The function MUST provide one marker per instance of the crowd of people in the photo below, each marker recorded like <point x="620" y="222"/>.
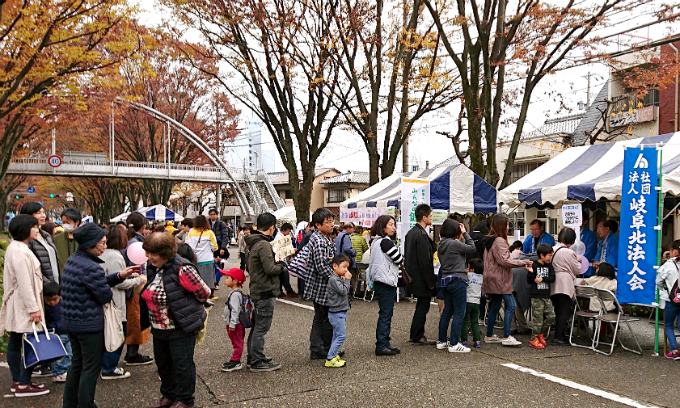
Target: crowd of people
<point x="64" y="279"/>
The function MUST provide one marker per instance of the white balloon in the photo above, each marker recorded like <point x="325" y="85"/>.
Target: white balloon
<point x="579" y="248"/>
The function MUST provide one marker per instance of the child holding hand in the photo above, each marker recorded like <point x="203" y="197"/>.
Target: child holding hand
<point x="234" y="279"/>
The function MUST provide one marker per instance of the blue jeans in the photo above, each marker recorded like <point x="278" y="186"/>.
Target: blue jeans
<point x="111" y="358"/>
<point x="670" y="315"/>
<point x="493" y="311"/>
<point x="20" y="374"/>
<point x="455" y="301"/>
<point x="338" y="320"/>
<point x="386" y="294"/>
<point x="61" y="366"/>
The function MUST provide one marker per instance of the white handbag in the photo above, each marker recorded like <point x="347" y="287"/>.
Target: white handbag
<point x="113" y="327"/>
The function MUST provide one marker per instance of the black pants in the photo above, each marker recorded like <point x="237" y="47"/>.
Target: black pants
<point x="562" y="305"/>
<point x="86" y="364"/>
<point x="20" y="374"/>
<point x="284" y="283"/>
<point x="322" y="332"/>
<point x="243" y="260"/>
<point x="419" y="318"/>
<point x="175" y="362"/>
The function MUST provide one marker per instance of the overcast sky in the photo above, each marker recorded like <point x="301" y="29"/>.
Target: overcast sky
<point x="346" y="151"/>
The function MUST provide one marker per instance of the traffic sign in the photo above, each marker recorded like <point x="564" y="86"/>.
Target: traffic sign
<point x="54" y="161"/>
<point x="31" y="190"/>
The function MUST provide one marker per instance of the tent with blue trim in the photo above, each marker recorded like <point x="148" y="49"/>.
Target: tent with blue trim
<point x="160" y="212"/>
<point x="456" y="189"/>
<point x="590" y="173"/>
<point x="154" y="213"/>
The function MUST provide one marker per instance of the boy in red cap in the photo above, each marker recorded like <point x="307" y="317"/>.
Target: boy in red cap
<point x="234" y="279"/>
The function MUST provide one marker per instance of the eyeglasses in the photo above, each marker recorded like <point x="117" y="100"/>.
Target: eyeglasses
<point x="328" y="222"/>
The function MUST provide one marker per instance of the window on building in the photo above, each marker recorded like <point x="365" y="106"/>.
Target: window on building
<point x="516" y="222"/>
<point x="197" y="206"/>
<point x="522" y="169"/>
<point x="336" y="196"/>
<point x="552" y="228"/>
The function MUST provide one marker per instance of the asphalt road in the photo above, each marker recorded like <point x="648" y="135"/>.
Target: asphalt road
<point x="420" y="376"/>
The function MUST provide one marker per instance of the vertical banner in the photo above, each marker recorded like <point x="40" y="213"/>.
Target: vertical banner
<point x="638" y="238"/>
<point x="413" y="192"/>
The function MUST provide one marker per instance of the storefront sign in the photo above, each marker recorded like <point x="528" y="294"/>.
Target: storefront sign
<point x="637" y="238"/>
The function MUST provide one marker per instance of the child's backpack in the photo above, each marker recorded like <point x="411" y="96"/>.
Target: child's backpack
<point x="245" y="315"/>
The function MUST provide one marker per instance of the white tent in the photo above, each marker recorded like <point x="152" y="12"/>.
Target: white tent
<point x="287" y="214"/>
<point x="153" y="213"/>
<point x="590" y="173"/>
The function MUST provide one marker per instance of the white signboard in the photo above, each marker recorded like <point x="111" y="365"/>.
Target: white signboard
<point x="572" y="217"/>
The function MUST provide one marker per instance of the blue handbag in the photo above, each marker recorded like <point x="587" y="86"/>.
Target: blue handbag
<point x="41" y="347"/>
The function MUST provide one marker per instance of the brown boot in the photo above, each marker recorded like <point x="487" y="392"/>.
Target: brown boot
<point x="163" y="403"/>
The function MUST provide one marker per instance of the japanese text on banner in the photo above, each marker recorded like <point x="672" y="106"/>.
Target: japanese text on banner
<point x="637" y="238"/>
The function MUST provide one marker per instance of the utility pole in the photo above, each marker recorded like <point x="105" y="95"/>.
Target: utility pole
<point x="404" y="156"/>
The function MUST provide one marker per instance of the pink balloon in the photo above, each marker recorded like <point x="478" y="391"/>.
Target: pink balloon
<point x="584" y="264"/>
<point x="136" y="253"/>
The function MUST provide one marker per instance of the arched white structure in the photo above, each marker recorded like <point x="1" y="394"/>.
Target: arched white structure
<point x="205" y="149"/>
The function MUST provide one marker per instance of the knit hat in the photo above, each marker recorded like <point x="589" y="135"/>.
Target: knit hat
<point x="88" y="235"/>
<point x="235" y="273"/>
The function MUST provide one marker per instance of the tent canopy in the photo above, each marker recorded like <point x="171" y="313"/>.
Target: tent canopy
<point x="287" y="214"/>
<point x="456" y="189"/>
<point x="590" y="173"/>
<point x="154" y="213"/>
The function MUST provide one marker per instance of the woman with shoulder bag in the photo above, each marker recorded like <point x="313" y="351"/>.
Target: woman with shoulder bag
<point x="202" y="240"/>
<point x="22" y="302"/>
<point x="85" y="290"/>
<point x="384" y="268"/>
<point x="452" y="256"/>
<point x="567" y="268"/>
<point x="666" y="280"/>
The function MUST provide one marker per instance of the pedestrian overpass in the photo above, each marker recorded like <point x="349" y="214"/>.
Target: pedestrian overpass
<point x="105" y="165"/>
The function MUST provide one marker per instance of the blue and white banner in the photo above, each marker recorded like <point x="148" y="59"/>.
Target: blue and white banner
<point x="637" y="238"/>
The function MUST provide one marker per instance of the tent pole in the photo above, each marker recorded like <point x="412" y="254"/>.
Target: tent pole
<point x="658" y="247"/>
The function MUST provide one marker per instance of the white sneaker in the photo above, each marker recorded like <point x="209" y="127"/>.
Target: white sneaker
<point x="493" y="339"/>
<point x="459" y="348"/>
<point x="441" y="345"/>
<point x="510" y="341"/>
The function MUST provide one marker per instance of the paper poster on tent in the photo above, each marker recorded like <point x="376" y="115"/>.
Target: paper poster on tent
<point x="344" y="215"/>
<point x="637" y="237"/>
<point x="572" y="217"/>
<point x="438" y="216"/>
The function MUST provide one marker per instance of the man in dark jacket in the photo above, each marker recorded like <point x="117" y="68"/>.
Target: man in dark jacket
<point x="220" y="230"/>
<point x="264" y="288"/>
<point x="418" y="255"/>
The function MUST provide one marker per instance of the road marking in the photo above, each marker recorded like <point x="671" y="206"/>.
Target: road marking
<point x="580" y="387"/>
<point x="288" y="302"/>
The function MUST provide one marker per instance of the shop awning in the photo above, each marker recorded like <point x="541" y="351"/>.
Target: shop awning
<point x="590" y="173"/>
<point x="456" y="189"/>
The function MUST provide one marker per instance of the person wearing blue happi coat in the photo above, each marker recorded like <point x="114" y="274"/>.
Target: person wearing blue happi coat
<point x="608" y="247"/>
<point x="590" y="241"/>
<point x="537" y="237"/>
